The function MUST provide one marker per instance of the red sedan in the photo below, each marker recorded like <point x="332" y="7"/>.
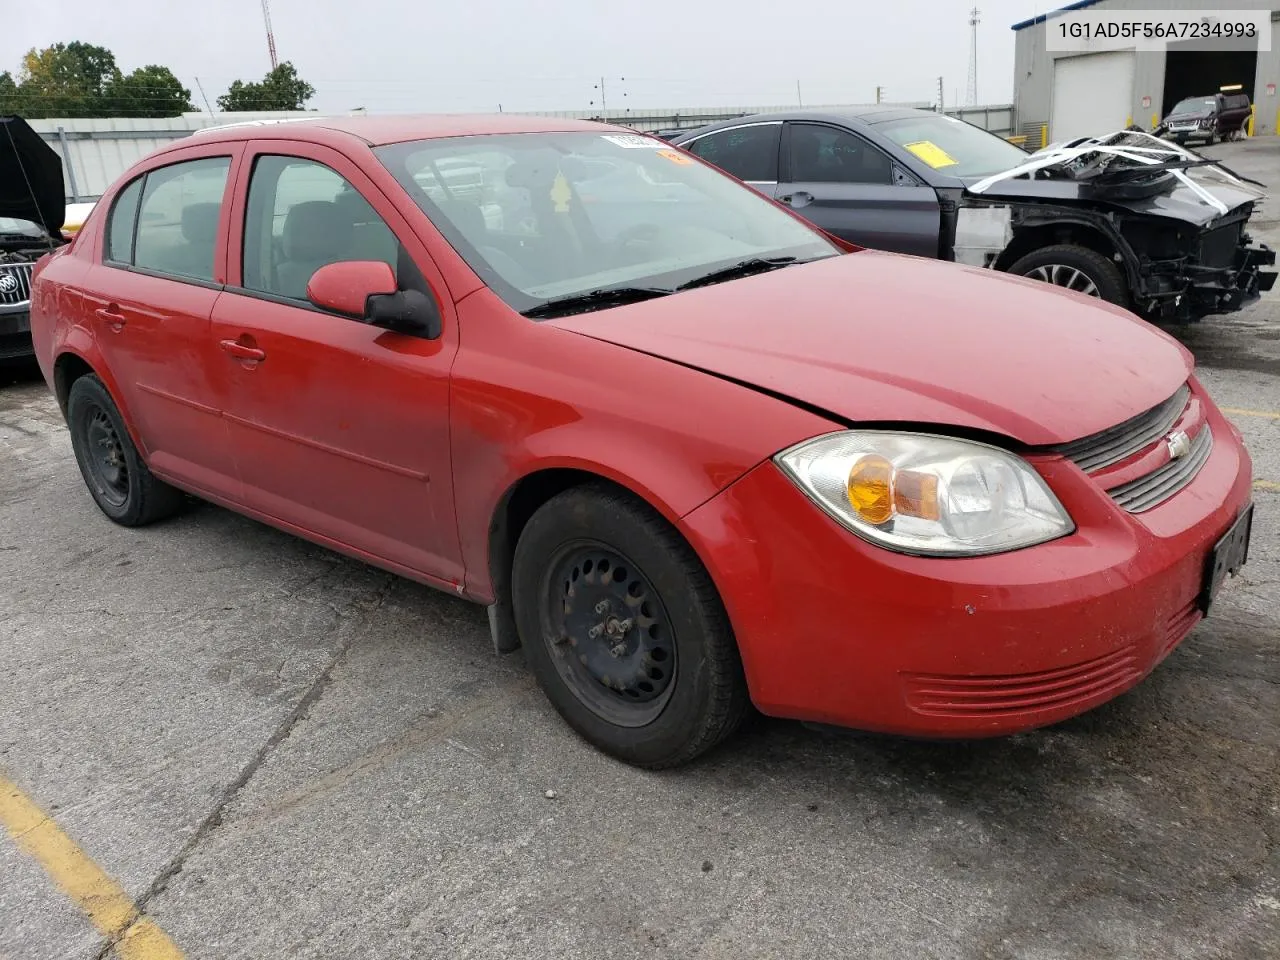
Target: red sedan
<point x="691" y="453"/>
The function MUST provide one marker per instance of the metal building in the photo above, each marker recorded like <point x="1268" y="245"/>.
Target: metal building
<point x="1078" y="94"/>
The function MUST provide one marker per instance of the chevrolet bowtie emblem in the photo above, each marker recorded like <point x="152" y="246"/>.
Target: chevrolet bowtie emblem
<point x="1179" y="444"/>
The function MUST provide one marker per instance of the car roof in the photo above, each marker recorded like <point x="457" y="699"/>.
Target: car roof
<point x="853" y="116"/>
<point x="380" y="130"/>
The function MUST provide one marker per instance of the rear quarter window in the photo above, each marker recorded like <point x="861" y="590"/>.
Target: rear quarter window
<point x="120" y="223"/>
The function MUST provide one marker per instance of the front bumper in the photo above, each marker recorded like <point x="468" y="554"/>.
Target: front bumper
<point x="15" y="336"/>
<point x="1195" y="292"/>
<point x="838" y="631"/>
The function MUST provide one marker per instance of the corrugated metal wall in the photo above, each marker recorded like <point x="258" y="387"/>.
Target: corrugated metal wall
<point x="1033" y="67"/>
<point x="95" y="152"/>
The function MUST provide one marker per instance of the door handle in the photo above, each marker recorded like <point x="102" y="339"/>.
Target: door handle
<point x="242" y="352"/>
<point x="111" y="314"/>
<point x="798" y="199"/>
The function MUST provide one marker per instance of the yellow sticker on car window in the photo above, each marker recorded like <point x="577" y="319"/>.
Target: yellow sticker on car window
<point x="560" y="193"/>
<point x="932" y="154"/>
<point x="675" y="157"/>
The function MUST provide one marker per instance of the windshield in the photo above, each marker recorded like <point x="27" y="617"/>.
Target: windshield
<point x="952" y="146"/>
<point x="1195" y="105"/>
<point x="547" y="216"/>
<point x="11" y="226"/>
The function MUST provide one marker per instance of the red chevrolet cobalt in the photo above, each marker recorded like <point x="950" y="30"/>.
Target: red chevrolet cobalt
<point x="692" y="454"/>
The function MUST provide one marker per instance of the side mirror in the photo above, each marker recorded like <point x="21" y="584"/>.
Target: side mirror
<point x="347" y="286"/>
<point x="366" y="290"/>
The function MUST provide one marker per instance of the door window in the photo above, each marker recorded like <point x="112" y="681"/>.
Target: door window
<point x="177" y="228"/>
<point x="821" y="154"/>
<point x="302" y="215"/>
<point x="748" y="153"/>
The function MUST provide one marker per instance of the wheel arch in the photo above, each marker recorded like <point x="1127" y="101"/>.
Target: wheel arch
<point x="71" y="362"/>
<point x="1030" y="237"/>
<point x="517" y="505"/>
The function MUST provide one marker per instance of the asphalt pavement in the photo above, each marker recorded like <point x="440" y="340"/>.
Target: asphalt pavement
<point x="270" y="751"/>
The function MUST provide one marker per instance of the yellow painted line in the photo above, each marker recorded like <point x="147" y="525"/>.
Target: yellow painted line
<point x="1240" y="412"/>
<point x="101" y="898"/>
<point x="1270" y="485"/>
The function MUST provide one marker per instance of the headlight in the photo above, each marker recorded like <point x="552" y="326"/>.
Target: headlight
<point x="928" y="495"/>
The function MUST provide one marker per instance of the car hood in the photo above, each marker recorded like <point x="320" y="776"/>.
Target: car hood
<point x="1173" y="199"/>
<point x="31" y="185"/>
<point x="874" y="337"/>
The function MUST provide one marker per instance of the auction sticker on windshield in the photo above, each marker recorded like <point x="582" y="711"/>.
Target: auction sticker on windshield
<point x="634" y="141"/>
<point x="675" y="157"/>
<point x="932" y="154"/>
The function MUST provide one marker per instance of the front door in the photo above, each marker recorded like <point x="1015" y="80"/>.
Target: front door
<point x="853" y="189"/>
<point x="341" y="429"/>
<point x="149" y="301"/>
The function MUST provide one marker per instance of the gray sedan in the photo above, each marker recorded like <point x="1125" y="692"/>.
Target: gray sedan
<point x="922" y="183"/>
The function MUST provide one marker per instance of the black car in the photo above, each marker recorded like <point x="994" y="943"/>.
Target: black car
<point x="1163" y="239"/>
<point x="32" y="208"/>
<point x="1213" y="117"/>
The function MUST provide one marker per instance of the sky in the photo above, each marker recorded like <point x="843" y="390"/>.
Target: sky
<point x="399" y="56"/>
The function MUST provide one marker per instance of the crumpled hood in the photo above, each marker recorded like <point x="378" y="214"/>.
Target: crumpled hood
<point x="880" y="337"/>
<point x="31" y="185"/>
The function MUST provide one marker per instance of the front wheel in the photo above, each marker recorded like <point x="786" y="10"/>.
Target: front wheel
<point x="625" y="631"/>
<point x="1075" y="268"/>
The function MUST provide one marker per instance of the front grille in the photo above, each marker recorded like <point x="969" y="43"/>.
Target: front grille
<point x="1218" y="246"/>
<point x="1118" y="443"/>
<point x="1162" y="483"/>
<point x="15" y="283"/>
<point x="951" y="696"/>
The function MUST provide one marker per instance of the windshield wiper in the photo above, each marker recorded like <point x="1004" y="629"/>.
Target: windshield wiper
<point x="743" y="268"/>
<point x="594" y="300"/>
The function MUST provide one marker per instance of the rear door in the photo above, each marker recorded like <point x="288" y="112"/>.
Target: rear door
<point x="851" y="188"/>
<point x="150" y="298"/>
<point x="749" y="152"/>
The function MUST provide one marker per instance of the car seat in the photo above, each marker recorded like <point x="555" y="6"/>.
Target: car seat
<point x="194" y="256"/>
<point x="316" y="233"/>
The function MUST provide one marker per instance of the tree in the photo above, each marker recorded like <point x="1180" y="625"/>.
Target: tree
<point x="82" y="80"/>
<point x="10" y="95"/>
<point x="151" y="91"/>
<point x="280" y="89"/>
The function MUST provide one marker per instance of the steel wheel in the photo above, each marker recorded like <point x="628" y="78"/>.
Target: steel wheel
<point x="107" y="463"/>
<point x="1062" y="275"/>
<point x="114" y="472"/>
<point x="612" y="640"/>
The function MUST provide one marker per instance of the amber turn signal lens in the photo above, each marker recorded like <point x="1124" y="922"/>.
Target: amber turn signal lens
<point x="916" y="495"/>
<point x="870" y="488"/>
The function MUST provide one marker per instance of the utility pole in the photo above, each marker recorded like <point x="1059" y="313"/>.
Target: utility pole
<point x="200" y="87"/>
<point x="973" y="57"/>
<point x="879" y="93"/>
<point x="604" y="109"/>
<point x="941" y="106"/>
<point x="799" y="99"/>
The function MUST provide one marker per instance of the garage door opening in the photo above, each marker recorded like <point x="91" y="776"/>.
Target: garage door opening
<point x="1199" y="73"/>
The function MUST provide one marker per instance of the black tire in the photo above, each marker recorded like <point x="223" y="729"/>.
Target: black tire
<point x="1106" y="279"/>
<point x="679" y="643"/>
<point x="120" y="483"/>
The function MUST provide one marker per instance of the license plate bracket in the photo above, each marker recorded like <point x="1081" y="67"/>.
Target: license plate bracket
<point x="1228" y="555"/>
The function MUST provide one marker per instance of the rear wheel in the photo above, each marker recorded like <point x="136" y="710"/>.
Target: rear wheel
<point x="1075" y="268"/>
<point x="624" y="630"/>
<point x="119" y="482"/>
